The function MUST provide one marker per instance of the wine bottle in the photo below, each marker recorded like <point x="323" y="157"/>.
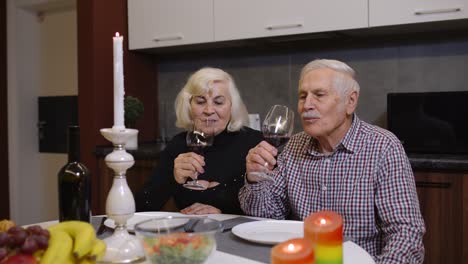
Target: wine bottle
<point x="74" y="183"/>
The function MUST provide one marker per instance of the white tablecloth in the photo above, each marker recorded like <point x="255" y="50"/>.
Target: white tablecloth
<point x="352" y="253"/>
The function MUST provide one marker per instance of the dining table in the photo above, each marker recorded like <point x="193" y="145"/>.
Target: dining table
<point x="232" y="247"/>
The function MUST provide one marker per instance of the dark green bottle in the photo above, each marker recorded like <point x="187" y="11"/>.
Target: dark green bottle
<point x="74" y="183"/>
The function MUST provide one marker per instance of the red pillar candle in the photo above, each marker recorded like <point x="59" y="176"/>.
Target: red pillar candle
<point x="293" y="251"/>
<point x="324" y="230"/>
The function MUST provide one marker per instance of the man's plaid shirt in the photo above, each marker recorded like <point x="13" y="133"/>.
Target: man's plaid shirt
<point x="367" y="179"/>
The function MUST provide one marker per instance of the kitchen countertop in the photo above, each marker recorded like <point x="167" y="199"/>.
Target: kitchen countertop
<point x="152" y="150"/>
<point x="439" y="162"/>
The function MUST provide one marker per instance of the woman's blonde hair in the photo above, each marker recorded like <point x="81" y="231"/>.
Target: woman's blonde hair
<point x="199" y="83"/>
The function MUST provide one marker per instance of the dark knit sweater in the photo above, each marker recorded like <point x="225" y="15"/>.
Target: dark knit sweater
<point x="225" y="163"/>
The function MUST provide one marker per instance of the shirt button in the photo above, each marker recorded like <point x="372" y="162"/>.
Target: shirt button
<point x="324" y="188"/>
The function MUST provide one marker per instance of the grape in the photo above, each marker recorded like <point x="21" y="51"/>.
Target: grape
<point x="29" y="245"/>
<point x="42" y="241"/>
<point x="3" y="253"/>
<point x="45" y="233"/>
<point x="15" y="229"/>
<point x="4" y="239"/>
<point x="35" y="229"/>
<point x="21" y="241"/>
<point x="18" y="238"/>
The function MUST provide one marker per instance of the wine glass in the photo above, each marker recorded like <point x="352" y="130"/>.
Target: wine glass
<point x="278" y="125"/>
<point x="277" y="128"/>
<point x="197" y="139"/>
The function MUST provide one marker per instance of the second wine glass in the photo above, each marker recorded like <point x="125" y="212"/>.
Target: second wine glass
<point x="201" y="136"/>
<point x="278" y="125"/>
<point x="277" y="128"/>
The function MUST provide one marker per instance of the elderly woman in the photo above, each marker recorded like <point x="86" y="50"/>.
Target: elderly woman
<point x="211" y="98"/>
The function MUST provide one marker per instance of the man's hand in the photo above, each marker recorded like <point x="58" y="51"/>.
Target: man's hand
<point x="260" y="159"/>
<point x="188" y="165"/>
<point x="199" y="208"/>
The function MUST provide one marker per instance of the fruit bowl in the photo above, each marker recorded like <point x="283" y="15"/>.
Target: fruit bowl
<point x="174" y="239"/>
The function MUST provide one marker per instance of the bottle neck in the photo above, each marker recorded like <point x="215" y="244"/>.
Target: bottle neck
<point x="73" y="144"/>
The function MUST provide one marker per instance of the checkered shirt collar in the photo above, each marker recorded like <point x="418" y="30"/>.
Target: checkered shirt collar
<point x="349" y="143"/>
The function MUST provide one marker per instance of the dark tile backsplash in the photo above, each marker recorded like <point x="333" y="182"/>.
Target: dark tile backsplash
<point x="271" y="77"/>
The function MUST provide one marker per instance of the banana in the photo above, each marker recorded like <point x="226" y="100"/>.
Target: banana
<point x="98" y="250"/>
<point x="38" y="255"/>
<point x="70" y="259"/>
<point x="86" y="261"/>
<point x="82" y="233"/>
<point x="60" y="248"/>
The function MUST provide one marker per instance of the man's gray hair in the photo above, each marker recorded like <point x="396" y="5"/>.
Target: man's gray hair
<point x="344" y="82"/>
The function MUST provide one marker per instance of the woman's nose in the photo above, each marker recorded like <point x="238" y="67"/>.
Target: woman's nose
<point x="209" y="109"/>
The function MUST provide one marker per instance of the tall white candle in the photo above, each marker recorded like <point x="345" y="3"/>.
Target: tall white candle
<point x="118" y="83"/>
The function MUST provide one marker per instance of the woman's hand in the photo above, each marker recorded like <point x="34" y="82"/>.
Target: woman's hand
<point x="261" y="158"/>
<point x="199" y="208"/>
<point x="188" y="165"/>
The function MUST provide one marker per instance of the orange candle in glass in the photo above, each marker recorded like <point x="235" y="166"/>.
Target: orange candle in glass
<point x="293" y="251"/>
<point x="324" y="230"/>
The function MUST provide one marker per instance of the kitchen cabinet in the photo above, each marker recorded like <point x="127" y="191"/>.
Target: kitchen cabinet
<point x="384" y="12"/>
<point x="243" y="19"/>
<point x="443" y="197"/>
<point x="161" y="23"/>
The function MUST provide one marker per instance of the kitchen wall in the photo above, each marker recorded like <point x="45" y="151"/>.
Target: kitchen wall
<point x="42" y="61"/>
<point x="268" y="78"/>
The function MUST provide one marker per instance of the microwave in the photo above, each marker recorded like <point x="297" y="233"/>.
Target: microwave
<point x="430" y="122"/>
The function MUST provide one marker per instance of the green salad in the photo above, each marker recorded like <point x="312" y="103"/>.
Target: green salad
<point x="179" y="248"/>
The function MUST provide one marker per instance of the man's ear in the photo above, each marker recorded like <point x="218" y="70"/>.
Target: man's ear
<point x="351" y="102"/>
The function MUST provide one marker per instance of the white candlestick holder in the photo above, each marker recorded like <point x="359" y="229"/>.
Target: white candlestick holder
<point x="120" y="204"/>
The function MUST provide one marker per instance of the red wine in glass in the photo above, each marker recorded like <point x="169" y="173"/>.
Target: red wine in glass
<point x="197" y="141"/>
<point x="278" y="125"/>
<point x="196" y="148"/>
<point x="277" y="129"/>
<point x="276" y="140"/>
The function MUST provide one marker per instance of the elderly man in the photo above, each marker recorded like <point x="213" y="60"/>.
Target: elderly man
<point x="343" y="164"/>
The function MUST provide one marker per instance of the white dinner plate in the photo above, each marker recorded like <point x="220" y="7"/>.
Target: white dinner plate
<point x="352" y="253"/>
<point x="270" y="231"/>
<point x="139" y="217"/>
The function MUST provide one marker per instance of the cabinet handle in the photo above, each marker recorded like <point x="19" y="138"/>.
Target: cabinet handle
<point x="168" y="38"/>
<point x="437" y="11"/>
<point x="440" y="185"/>
<point x="285" y="26"/>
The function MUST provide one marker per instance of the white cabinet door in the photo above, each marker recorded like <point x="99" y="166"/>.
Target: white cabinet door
<point x="161" y="23"/>
<point x="241" y="19"/>
<point x="394" y="12"/>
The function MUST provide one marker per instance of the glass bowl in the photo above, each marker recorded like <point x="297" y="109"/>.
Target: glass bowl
<point x="175" y="239"/>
